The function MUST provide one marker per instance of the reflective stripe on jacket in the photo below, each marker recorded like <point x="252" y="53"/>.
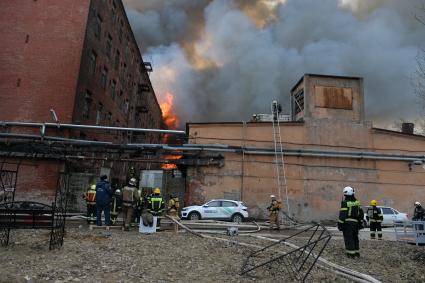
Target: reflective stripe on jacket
<point x="350" y="211"/>
<point x="375" y="214"/>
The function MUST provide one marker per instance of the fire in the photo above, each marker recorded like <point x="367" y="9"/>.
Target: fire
<point x="168" y="113"/>
<point x="167" y="166"/>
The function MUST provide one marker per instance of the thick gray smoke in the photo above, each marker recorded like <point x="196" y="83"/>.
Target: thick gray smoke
<point x="224" y="60"/>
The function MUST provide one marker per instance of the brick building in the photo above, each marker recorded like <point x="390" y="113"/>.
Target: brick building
<point x="328" y="145"/>
<point x="81" y="59"/>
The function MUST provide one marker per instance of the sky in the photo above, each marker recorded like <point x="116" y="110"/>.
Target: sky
<point x="224" y="60"/>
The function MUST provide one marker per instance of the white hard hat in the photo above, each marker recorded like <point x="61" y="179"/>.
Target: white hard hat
<point x="132" y="181"/>
<point x="272" y="196"/>
<point x="118" y="192"/>
<point x="417" y="203"/>
<point x="348" y="191"/>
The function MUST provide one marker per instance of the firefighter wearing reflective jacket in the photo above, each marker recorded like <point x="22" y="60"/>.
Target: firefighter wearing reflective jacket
<point x="375" y="217"/>
<point x="90" y="197"/>
<point x="116" y="206"/>
<point x="130" y="196"/>
<point x="350" y="222"/>
<point x="274" y="209"/>
<point x="173" y="206"/>
<point x="156" y="203"/>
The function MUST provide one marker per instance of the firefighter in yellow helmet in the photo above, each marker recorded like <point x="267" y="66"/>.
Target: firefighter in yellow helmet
<point x="90" y="197"/>
<point x="156" y="203"/>
<point x="274" y="209"/>
<point x="173" y="206"/>
<point x="116" y="206"/>
<point x="374" y="216"/>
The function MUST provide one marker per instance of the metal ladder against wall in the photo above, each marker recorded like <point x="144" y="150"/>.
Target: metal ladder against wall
<point x="278" y="152"/>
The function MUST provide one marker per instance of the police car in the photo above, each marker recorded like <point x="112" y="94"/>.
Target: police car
<point x="222" y="209"/>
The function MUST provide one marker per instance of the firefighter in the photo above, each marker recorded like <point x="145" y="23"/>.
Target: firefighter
<point x="103" y="201"/>
<point x="138" y="208"/>
<point x="375" y="217"/>
<point x="419" y="213"/>
<point x="274" y="209"/>
<point x="90" y="197"/>
<point x="116" y="206"/>
<point x="173" y="206"/>
<point x="129" y="198"/>
<point x="156" y="204"/>
<point x="350" y="222"/>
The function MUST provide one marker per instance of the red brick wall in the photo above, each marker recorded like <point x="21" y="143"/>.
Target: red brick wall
<point x="40" y="53"/>
<point x="37" y="179"/>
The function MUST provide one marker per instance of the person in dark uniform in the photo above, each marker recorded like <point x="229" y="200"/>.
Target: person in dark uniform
<point x="375" y="217"/>
<point x="350" y="222"/>
<point x="103" y="201"/>
<point x="419" y="213"/>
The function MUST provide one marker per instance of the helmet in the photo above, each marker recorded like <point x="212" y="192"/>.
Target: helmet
<point x="373" y="202"/>
<point x="93" y="187"/>
<point x="157" y="191"/>
<point x="348" y="191"/>
<point x="417" y="203"/>
<point x="132" y="181"/>
<point x="272" y="196"/>
<point x="118" y="192"/>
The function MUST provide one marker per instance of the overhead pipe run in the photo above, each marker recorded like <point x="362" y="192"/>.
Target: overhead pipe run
<point x="42" y="127"/>
<point x="301" y="152"/>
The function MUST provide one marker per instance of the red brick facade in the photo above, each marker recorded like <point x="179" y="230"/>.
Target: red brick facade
<point x="81" y="59"/>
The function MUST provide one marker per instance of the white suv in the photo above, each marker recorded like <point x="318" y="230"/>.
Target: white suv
<point x="235" y="211"/>
<point x="390" y="214"/>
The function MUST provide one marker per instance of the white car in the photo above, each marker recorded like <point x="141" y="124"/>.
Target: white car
<point x="390" y="214"/>
<point x="235" y="211"/>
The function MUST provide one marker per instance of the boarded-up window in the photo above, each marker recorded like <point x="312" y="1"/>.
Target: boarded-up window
<point x="334" y="97"/>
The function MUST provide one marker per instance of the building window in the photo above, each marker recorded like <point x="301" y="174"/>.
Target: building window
<point x="113" y="89"/>
<point x="114" y="12"/>
<point x="87" y="104"/>
<point x="98" y="27"/>
<point x="117" y="60"/>
<point x="109" y="46"/>
<point x="298" y="102"/>
<point x="104" y="77"/>
<point x="126" y="106"/>
<point x="92" y="62"/>
<point x="109" y="119"/>
<point x="99" y="114"/>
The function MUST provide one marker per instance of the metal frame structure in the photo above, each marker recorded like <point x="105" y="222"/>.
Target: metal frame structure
<point x="29" y="214"/>
<point x="293" y="257"/>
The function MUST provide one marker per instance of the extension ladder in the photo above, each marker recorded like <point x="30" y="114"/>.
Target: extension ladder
<point x="278" y="153"/>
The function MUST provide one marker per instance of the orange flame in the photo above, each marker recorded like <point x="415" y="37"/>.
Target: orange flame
<point x="168" y="113"/>
<point x="167" y="166"/>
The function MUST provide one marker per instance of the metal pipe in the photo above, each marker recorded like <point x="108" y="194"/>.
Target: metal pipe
<point x="311" y="154"/>
<point x="92" y="127"/>
<point x="252" y="151"/>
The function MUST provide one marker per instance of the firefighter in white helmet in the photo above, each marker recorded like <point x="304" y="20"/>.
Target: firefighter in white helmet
<point x="130" y="196"/>
<point x="350" y="222"/>
<point x="274" y="209"/>
<point x="419" y="213"/>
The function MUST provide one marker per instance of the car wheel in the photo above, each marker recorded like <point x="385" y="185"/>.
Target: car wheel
<point x="194" y="216"/>
<point x="237" y="218"/>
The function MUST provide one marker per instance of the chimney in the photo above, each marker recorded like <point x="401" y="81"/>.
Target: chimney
<point x="407" y="128"/>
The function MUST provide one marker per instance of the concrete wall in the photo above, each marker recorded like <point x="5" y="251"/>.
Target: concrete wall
<point x="314" y="184"/>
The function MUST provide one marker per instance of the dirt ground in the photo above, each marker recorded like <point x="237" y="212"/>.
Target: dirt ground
<point x="116" y="256"/>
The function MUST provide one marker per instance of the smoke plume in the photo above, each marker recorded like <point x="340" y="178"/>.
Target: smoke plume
<point x="224" y="60"/>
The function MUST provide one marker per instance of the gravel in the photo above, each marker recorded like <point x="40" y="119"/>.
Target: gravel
<point x="116" y="256"/>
